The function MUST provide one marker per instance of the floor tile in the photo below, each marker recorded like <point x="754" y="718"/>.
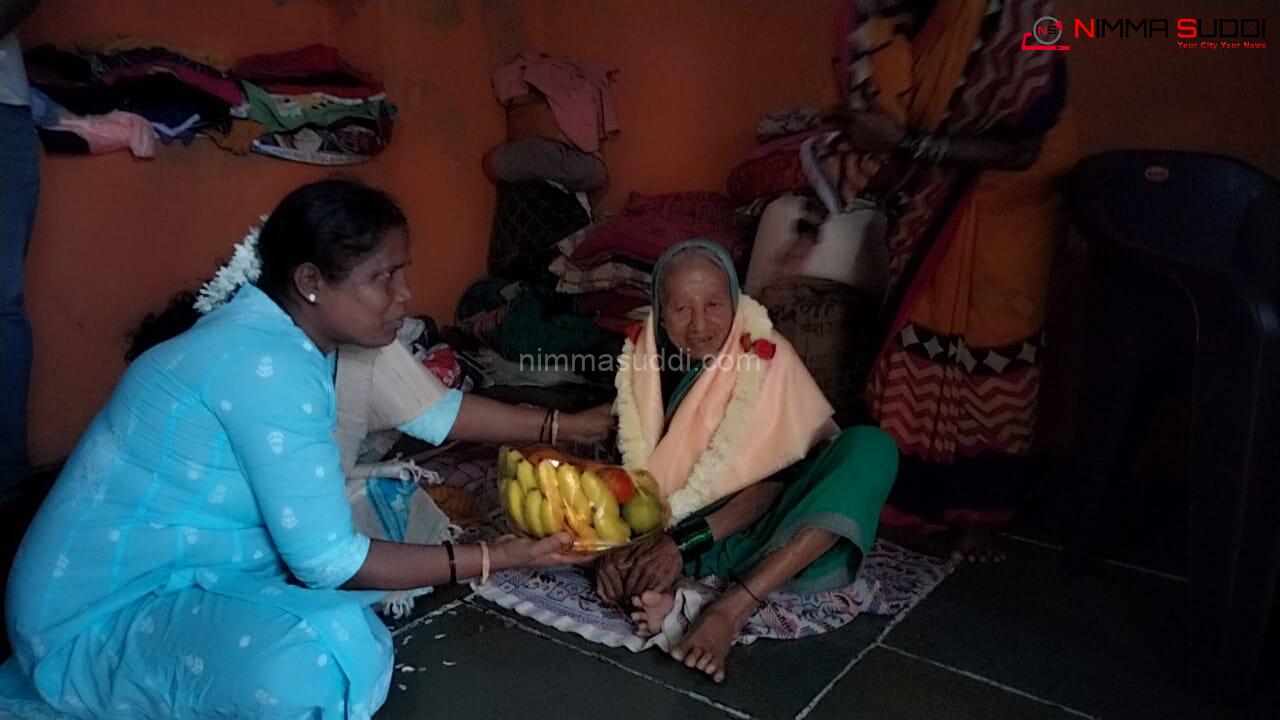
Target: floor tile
<point x="1107" y="643"/>
<point x="468" y="664"/>
<point x="886" y="684"/>
<point x="1150" y="529"/>
<point x="767" y="679"/>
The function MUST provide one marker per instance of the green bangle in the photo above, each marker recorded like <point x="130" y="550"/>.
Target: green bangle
<point x="693" y="537"/>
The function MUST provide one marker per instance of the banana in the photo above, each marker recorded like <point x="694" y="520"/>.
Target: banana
<point x="553" y="515"/>
<point x="545" y="473"/>
<point x="577" y="508"/>
<point x="533" y="513"/>
<point x="583" y="532"/>
<point x="515" y="504"/>
<point x="598" y="493"/>
<point x="605" y="518"/>
<point x="612" y="529"/>
<point x="552" y="518"/>
<point x="503" y="466"/>
<point x="508" y="463"/>
<point x="524" y="474"/>
<point x="570" y="483"/>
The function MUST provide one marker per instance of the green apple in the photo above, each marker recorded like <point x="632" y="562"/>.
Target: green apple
<point x="642" y="512"/>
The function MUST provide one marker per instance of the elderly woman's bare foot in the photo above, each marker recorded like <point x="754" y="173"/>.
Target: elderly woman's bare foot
<point x="706" y="646"/>
<point x="651" y="607"/>
<point x="976" y="544"/>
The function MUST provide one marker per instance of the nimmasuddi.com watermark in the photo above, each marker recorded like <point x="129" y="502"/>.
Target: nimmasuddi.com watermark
<point x="586" y="363"/>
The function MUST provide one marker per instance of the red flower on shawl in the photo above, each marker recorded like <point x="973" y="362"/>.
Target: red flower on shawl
<point x="633" y="332"/>
<point x="764" y="349"/>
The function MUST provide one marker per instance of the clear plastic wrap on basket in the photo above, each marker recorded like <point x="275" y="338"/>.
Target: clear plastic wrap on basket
<point x="602" y="506"/>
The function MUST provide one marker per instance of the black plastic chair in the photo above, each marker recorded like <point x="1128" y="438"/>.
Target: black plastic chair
<point x="1192" y="236"/>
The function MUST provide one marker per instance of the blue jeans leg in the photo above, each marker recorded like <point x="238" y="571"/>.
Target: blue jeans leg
<point x="19" y="190"/>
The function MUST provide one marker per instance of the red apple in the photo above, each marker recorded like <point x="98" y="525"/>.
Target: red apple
<point x="619" y="483"/>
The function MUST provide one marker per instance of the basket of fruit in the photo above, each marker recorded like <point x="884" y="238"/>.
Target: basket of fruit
<point x="602" y="506"/>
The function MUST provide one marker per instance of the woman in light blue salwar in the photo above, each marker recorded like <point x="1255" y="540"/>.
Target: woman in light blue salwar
<point x="196" y="557"/>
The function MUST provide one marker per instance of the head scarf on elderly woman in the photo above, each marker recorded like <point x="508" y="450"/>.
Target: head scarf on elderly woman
<point x="699" y="248"/>
<point x="707" y="312"/>
<point x="748" y="409"/>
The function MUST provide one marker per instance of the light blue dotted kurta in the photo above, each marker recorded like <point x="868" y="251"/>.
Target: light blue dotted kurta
<point x="186" y="561"/>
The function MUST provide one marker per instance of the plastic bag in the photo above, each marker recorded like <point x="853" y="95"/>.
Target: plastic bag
<point x="602" y="506"/>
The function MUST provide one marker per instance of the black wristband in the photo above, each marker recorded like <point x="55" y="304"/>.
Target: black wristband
<point x="693" y="537"/>
<point x="453" y="565"/>
<point x="544" y="433"/>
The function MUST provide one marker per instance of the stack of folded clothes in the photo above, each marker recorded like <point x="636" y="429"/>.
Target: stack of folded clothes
<point x="307" y="105"/>
<point x="609" y="264"/>
<point x="314" y="107"/>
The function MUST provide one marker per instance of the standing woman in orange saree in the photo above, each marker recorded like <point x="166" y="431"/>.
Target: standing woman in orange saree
<point x="955" y="130"/>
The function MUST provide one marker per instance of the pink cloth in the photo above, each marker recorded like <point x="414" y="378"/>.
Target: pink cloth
<point x="789" y="417"/>
<point x="577" y="93"/>
<point x="116" y="130"/>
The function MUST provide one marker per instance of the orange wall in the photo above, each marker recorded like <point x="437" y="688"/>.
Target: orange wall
<point x="115" y="236"/>
<point x="695" y="76"/>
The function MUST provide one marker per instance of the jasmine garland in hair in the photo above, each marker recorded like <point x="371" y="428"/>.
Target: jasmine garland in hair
<point x="243" y="268"/>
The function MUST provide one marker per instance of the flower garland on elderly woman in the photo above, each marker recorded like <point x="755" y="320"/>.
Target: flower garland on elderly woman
<point x="714" y="460"/>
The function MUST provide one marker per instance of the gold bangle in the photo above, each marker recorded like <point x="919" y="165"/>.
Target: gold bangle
<point x="484" y="563"/>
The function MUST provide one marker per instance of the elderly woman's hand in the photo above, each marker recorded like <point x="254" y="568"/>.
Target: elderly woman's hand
<point x="611" y="569"/>
<point x="589" y="426"/>
<point x="655" y="565"/>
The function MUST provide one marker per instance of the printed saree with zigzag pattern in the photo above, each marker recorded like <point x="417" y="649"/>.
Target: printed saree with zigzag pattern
<point x="956" y="381"/>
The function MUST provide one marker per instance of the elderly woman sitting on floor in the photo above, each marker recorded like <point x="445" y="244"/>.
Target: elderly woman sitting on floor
<point x="764" y="488"/>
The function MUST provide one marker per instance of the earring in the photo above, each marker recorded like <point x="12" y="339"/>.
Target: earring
<point x="311" y="298"/>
